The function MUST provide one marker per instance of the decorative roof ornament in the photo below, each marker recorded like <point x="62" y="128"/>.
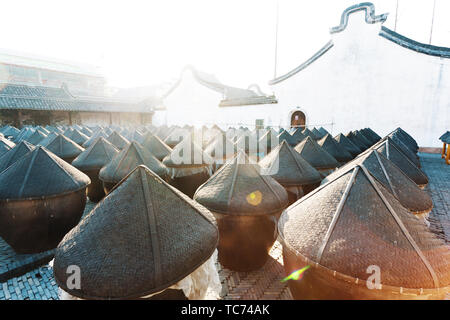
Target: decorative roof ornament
<point x="231" y="96"/>
<point x="371" y="18"/>
<point x="384" y="32"/>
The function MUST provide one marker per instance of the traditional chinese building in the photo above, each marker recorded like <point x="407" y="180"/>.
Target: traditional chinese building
<point x="370" y="76"/>
<point x="37" y="90"/>
<point x="366" y="75"/>
<point x="198" y="98"/>
<point x="28" y="69"/>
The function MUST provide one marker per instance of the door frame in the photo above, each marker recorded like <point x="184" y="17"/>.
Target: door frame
<point x="301" y="110"/>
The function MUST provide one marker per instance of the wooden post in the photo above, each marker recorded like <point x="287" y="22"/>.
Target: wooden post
<point x="443" y="151"/>
<point x="20" y="118"/>
<point x="447" y="159"/>
<point x="70" y="118"/>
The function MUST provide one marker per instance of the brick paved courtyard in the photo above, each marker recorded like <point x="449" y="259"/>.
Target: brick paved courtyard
<point x="262" y="284"/>
<point x="13" y="264"/>
<point x="439" y="187"/>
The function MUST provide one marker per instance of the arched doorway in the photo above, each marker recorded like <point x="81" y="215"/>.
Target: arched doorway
<point x="298" y="119"/>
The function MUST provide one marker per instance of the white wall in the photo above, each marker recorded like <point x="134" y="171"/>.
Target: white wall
<point x="192" y="103"/>
<point x="246" y="115"/>
<point x="365" y="80"/>
<point x="189" y="103"/>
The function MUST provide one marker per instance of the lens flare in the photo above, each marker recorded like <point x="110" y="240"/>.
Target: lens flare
<point x="254" y="198"/>
<point x="296" y="275"/>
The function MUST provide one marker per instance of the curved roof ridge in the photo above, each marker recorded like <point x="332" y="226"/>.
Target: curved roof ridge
<point x="305" y="64"/>
<point x="411" y="44"/>
<point x="214" y="85"/>
<point x="385" y="32"/>
<point x="370" y="16"/>
<point x="229" y="93"/>
<point x="255" y="87"/>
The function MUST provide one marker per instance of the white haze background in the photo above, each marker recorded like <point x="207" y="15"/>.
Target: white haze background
<point x="137" y="43"/>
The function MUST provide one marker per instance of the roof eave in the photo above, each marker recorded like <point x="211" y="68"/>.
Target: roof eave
<point x="248" y="102"/>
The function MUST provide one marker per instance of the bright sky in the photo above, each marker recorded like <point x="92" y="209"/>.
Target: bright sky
<point x="140" y="43"/>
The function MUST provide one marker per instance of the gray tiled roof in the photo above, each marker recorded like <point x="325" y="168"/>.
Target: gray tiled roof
<point x="248" y="101"/>
<point x="59" y="99"/>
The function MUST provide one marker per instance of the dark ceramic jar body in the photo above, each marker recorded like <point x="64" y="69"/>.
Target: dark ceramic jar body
<point x="36" y="225"/>
<point x="245" y="241"/>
